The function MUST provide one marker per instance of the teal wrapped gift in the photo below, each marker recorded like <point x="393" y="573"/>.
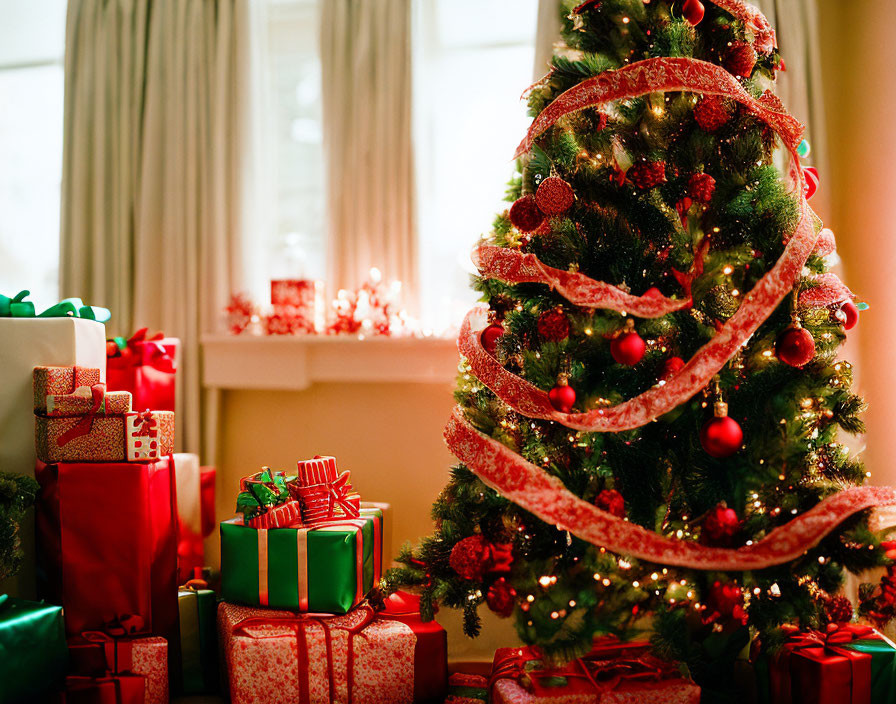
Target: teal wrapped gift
<point x="326" y="568"/>
<point x="33" y="653"/>
<point x="883" y="666"/>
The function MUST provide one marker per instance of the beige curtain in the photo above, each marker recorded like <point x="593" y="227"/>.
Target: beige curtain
<point x="152" y="179"/>
<point x="366" y="66"/>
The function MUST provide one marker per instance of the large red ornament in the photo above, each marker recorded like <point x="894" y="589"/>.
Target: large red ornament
<point x="795" y="346"/>
<point x="490" y="337"/>
<point x="611" y="501"/>
<point x="693" y="11"/>
<point x="647" y="174"/>
<point x="562" y="396"/>
<point x="671" y="367"/>
<point x="720" y="527"/>
<point x="701" y="187"/>
<point x="553" y="325"/>
<point x="471" y="557"/>
<point x="525" y="215"/>
<point x="712" y="113"/>
<point x="554" y="196"/>
<point x="848" y="315"/>
<point x="721" y="436"/>
<point x="726" y="601"/>
<point x="741" y="59"/>
<point x="628" y="348"/>
<point x="501" y="598"/>
<point x="812" y="181"/>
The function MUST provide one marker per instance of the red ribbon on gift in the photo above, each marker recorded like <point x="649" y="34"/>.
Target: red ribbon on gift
<point x="115" y="641"/>
<point x="816" y="644"/>
<point x="329" y="501"/>
<point x="85" y="425"/>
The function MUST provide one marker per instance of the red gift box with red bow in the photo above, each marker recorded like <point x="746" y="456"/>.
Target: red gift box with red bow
<point x="145" y="365"/>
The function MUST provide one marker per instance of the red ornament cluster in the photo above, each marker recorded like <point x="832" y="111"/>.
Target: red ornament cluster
<point x="712" y="113"/>
<point x="838" y="610"/>
<point x="474" y="557"/>
<point x="701" y="187"/>
<point x="647" y="174"/>
<point x="501" y="597"/>
<point x="612" y="502"/>
<point x="725" y="601"/>
<point x="553" y="325"/>
<point x="721" y="527"/>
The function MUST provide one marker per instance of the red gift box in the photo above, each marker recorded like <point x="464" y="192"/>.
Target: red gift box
<point x="207" y="500"/>
<point x="109" y="689"/>
<point x="814" y="667"/>
<point x="107" y="543"/>
<point x="366" y="658"/>
<point x="614" y="672"/>
<point x="146" y="367"/>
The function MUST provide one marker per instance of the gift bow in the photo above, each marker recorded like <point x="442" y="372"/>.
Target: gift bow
<point x="329" y="500"/>
<point x="114" y="639"/>
<point x="835" y="635"/>
<point x="143" y="425"/>
<point x="84" y="426"/>
<point x="154" y="351"/>
<point x="18" y="307"/>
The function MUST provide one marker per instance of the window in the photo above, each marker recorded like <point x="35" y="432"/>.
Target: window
<point x="473" y="60"/>
<point x="31" y="93"/>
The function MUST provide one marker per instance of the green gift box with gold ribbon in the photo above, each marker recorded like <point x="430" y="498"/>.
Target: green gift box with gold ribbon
<point x="33" y="653"/>
<point x="324" y="568"/>
<point x="197" y="607"/>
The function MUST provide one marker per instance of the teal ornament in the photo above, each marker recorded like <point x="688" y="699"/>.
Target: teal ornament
<point x="805" y="149"/>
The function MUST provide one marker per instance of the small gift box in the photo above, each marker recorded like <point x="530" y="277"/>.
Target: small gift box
<point x="361" y="657"/>
<point x="613" y="672"/>
<point x="847" y="664"/>
<point x="464" y="688"/>
<point x="107" y="689"/>
<point x="32" y="641"/>
<point x="145" y="365"/>
<point x="198" y="638"/>
<point x="119" y="649"/>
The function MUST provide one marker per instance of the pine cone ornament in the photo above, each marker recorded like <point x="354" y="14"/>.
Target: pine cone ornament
<point x="647" y="174"/>
<point x="553" y="325"/>
<point x="701" y="187"/>
<point x="719" y="304"/>
<point x="471" y="557"/>
<point x="712" y="113"/>
<point x="612" y="502"/>
<point x="838" y="610"/>
<point x="501" y="598"/>
<point x="525" y="215"/>
<point x="741" y="59"/>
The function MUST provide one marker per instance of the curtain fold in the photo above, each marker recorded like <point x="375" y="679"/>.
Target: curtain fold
<point x="366" y="78"/>
<point x="152" y="181"/>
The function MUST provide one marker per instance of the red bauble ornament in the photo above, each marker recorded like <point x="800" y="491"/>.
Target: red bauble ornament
<point x="712" y="113"/>
<point x="490" y="336"/>
<point x="838" y="610"/>
<point x="811" y="181"/>
<point x="726" y="600"/>
<point x="848" y="315"/>
<point x="525" y="215"/>
<point x="672" y="366"/>
<point x="741" y="59"/>
<point x="693" y="11"/>
<point x="501" y="598"/>
<point x="629" y="347"/>
<point x="471" y="557"/>
<point x="611" y="501"/>
<point x="562" y="396"/>
<point x="647" y="174"/>
<point x="720" y="527"/>
<point x="554" y="196"/>
<point x="795" y="346"/>
<point x="701" y="187"/>
<point x="553" y="325"/>
<point x="721" y="436"/>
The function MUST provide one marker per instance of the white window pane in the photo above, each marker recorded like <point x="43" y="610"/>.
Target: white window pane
<point x="30" y="178"/>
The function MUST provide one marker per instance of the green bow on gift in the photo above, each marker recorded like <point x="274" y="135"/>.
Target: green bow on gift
<point x="262" y="490"/>
<point x="18" y="307"/>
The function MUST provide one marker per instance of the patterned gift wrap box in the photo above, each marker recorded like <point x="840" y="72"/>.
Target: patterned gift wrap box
<point x="325" y="568"/>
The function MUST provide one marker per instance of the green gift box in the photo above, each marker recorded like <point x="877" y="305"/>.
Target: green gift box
<point x="325" y="568"/>
<point x="33" y="653"/>
<point x="198" y="640"/>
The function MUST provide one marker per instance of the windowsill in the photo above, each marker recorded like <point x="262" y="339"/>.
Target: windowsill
<point x="293" y="363"/>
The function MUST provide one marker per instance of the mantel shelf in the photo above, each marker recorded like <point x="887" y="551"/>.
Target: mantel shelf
<point x="293" y="363"/>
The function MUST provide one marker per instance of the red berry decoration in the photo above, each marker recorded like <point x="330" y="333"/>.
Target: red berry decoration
<point x="701" y="187"/>
<point x="471" y="557"/>
<point x="554" y="196"/>
<point x="490" y="336"/>
<point x="741" y="59"/>
<point x="838" y="610"/>
<point x="712" y="113"/>
<point x="501" y="598"/>
<point x="671" y="367"/>
<point x="693" y="11"/>
<point x="647" y="174"/>
<point x="721" y="436"/>
<point x="629" y="347"/>
<point x="795" y="346"/>
<point x="562" y="396"/>
<point x="848" y="315"/>
<point x="726" y="600"/>
<point x="553" y="325"/>
<point x="525" y="215"/>
<point x="812" y="181"/>
<point x="720" y="527"/>
<point x="612" y="502"/>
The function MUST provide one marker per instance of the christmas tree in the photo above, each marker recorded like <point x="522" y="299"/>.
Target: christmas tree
<point x="649" y="403"/>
